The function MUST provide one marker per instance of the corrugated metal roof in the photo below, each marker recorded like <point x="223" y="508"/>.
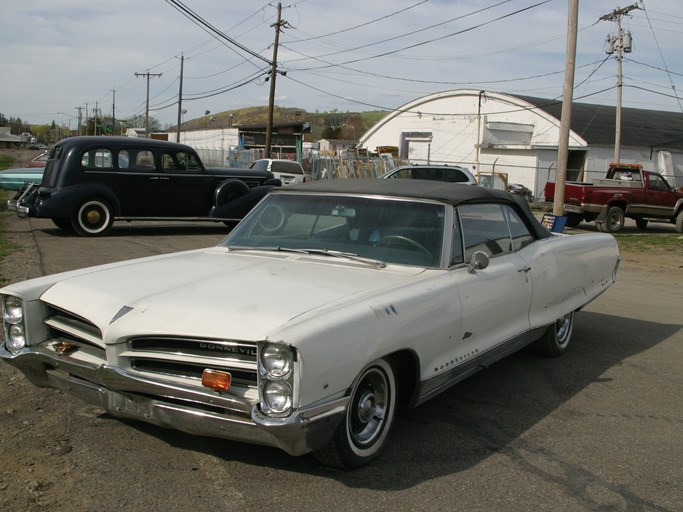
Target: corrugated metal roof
<point x="655" y="129"/>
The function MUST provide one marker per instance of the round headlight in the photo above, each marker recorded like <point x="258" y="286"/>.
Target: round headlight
<point x="13" y="312"/>
<point x="277" y="360"/>
<point x="15" y="338"/>
<point x="278" y="396"/>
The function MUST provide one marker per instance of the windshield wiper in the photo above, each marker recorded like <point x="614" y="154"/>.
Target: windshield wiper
<point x="348" y="255"/>
<point x="325" y="252"/>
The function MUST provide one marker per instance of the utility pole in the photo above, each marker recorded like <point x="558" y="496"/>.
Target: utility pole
<point x="273" y="72"/>
<point x="94" y="111"/>
<point x="180" y="99"/>
<point x="623" y="45"/>
<point x="482" y="94"/>
<point x="86" y="118"/>
<point x="567" y="99"/>
<point x="80" y="117"/>
<point x="113" y="111"/>
<point x="148" y="75"/>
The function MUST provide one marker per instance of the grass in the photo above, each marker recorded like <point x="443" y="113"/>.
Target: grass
<point x="6" y="161"/>
<point x="641" y="243"/>
<point x="6" y="247"/>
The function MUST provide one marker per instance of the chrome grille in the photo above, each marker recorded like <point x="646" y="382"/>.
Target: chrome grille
<point x="189" y="357"/>
<point x="65" y="326"/>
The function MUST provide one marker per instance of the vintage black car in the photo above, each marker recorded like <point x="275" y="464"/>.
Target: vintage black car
<point x="89" y="182"/>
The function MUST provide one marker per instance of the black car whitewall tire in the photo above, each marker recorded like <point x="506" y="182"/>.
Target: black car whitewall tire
<point x="363" y="432"/>
<point x="555" y="340"/>
<point x="94" y="217"/>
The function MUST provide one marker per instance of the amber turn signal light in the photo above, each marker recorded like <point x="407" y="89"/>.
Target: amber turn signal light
<point x="216" y="379"/>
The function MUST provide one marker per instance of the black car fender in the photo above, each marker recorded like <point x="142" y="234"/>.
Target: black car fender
<point x="240" y="206"/>
<point x="63" y="202"/>
<point x="228" y="191"/>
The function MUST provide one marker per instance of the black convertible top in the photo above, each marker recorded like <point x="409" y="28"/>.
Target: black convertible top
<point x="451" y="193"/>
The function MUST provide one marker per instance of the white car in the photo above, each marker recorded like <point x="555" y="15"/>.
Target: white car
<point x="330" y="305"/>
<point x="288" y="172"/>
<point x="447" y="173"/>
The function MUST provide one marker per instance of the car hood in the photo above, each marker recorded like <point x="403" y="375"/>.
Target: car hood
<point x="215" y="293"/>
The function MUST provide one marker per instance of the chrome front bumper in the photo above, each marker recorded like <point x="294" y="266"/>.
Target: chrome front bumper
<point x="196" y="411"/>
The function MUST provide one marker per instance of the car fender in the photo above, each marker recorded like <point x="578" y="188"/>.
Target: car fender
<point x="240" y="206"/>
<point x="228" y="191"/>
<point x="63" y="202"/>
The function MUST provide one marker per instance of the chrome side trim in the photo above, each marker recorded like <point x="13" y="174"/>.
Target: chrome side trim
<point x="435" y="385"/>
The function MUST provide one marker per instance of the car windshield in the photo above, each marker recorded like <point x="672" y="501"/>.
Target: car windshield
<point x="259" y="165"/>
<point x="382" y="230"/>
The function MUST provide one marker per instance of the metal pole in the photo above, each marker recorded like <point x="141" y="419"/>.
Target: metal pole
<point x="567" y="98"/>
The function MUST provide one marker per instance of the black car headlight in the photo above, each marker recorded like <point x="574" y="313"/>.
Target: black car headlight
<point x="14" y="324"/>
<point x="276" y="378"/>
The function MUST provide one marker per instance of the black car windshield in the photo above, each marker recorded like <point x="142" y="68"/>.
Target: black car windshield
<point x="399" y="231"/>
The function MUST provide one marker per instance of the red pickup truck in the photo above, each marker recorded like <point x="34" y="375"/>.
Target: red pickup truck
<point x="626" y="191"/>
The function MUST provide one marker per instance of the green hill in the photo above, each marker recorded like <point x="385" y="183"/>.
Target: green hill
<point x="331" y="125"/>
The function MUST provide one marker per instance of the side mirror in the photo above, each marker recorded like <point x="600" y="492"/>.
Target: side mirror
<point x="479" y="261"/>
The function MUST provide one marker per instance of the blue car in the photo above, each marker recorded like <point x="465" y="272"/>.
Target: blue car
<point x="14" y="179"/>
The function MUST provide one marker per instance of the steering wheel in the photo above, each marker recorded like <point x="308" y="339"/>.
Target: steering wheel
<point x="409" y="241"/>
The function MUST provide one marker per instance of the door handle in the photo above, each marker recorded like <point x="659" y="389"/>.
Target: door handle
<point x="524" y="269"/>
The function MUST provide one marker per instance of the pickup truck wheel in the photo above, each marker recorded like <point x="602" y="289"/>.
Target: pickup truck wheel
<point x="556" y="338"/>
<point x="679" y="222"/>
<point x="641" y="223"/>
<point x="363" y="431"/>
<point x="94" y="217"/>
<point x="614" y="220"/>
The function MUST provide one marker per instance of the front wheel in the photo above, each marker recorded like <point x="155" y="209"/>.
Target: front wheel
<point x="94" y="217"/>
<point x="363" y="432"/>
<point x="555" y="340"/>
<point x="679" y="222"/>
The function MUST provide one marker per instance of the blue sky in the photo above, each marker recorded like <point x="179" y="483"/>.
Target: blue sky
<point x="58" y="55"/>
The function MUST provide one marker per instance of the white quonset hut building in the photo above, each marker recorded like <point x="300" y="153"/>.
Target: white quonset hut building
<point x="517" y="136"/>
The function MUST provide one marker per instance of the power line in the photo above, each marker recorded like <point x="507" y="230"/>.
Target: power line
<point x="202" y="23"/>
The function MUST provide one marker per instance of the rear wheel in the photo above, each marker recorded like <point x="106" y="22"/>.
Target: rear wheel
<point x="94" y="217"/>
<point x="614" y="220"/>
<point x="679" y="222"/>
<point x="363" y="432"/>
<point x="555" y="340"/>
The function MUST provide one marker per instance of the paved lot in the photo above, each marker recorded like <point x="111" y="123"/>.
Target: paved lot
<point x="599" y="429"/>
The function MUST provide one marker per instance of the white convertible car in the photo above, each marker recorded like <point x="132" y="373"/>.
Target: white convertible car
<point x="331" y="305"/>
